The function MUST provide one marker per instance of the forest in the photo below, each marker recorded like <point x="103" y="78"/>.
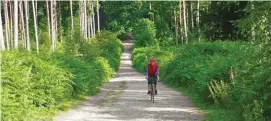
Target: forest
<point x="217" y="52"/>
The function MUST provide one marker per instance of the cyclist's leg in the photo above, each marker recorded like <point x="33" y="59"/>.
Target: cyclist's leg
<point x="149" y="85"/>
<point x="155" y="83"/>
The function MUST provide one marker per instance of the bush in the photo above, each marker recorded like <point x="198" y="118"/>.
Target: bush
<point x="205" y="68"/>
<point x="144" y="32"/>
<point x="31" y="86"/>
<point x="35" y="85"/>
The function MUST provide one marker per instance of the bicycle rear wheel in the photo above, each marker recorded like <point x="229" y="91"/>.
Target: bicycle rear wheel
<point x="152" y="93"/>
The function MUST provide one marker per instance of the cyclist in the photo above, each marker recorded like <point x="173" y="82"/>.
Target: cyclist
<point x="152" y="73"/>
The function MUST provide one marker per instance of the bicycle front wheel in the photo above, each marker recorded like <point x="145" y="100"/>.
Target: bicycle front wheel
<point x="152" y="92"/>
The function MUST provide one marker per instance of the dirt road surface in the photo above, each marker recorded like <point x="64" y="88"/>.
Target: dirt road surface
<point x="124" y="98"/>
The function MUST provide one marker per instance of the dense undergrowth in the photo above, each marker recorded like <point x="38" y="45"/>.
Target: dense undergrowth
<point x="35" y="85"/>
<point x="231" y="80"/>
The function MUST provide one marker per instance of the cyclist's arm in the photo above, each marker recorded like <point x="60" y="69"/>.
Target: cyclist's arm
<point x="146" y="72"/>
<point x="157" y="71"/>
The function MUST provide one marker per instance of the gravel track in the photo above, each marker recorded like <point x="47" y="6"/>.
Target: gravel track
<point x="124" y="98"/>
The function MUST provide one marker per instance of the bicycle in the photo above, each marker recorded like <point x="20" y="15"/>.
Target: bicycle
<point x="153" y="88"/>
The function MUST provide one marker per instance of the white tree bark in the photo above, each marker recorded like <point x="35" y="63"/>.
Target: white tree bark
<point x="27" y="27"/>
<point x="85" y="19"/>
<point x="7" y="24"/>
<point x="91" y="25"/>
<point x="16" y="24"/>
<point x="191" y="14"/>
<point x="53" y="25"/>
<point x="1" y="31"/>
<point x="252" y="26"/>
<point x="11" y="13"/>
<point x="181" y="27"/>
<point x="36" y="27"/>
<point x="93" y="19"/>
<point x="72" y="30"/>
<point x="184" y="20"/>
<point x="98" y="16"/>
<point x="198" y="20"/>
<point x="48" y="18"/>
<point x="22" y="20"/>
<point x="81" y="17"/>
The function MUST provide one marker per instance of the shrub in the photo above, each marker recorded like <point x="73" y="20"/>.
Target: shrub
<point x="194" y="66"/>
<point x="144" y="32"/>
<point x="35" y="85"/>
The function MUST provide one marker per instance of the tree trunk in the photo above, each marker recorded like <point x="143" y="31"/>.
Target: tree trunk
<point x="60" y="21"/>
<point x="7" y="24"/>
<point x="93" y="19"/>
<point x="81" y="18"/>
<point x="23" y="25"/>
<point x="191" y="15"/>
<point x="72" y="30"/>
<point x="150" y="7"/>
<point x="85" y="19"/>
<point x="1" y="31"/>
<point x="11" y="13"/>
<point x="56" y="22"/>
<point x="36" y="27"/>
<point x="91" y="23"/>
<point x="184" y="20"/>
<point x="252" y="26"/>
<point x="181" y="22"/>
<point x="98" y="16"/>
<point x="16" y="24"/>
<point x="53" y="25"/>
<point x="27" y="27"/>
<point x="48" y="18"/>
<point x="198" y="20"/>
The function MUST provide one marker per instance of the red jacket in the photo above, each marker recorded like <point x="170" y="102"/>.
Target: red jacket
<point x="152" y="70"/>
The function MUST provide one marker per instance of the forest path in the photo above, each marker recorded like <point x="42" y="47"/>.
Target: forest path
<point x="124" y="98"/>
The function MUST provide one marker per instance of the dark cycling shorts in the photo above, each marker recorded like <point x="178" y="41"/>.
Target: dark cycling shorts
<point x="152" y="78"/>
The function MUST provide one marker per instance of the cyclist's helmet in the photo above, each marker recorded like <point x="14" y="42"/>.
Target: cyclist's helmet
<point x="153" y="60"/>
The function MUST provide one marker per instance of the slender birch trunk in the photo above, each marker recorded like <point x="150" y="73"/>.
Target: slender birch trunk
<point x="7" y="24"/>
<point x="91" y="25"/>
<point x="48" y="18"/>
<point x="72" y="30"/>
<point x="252" y="26"/>
<point x="11" y="13"/>
<point x="53" y="25"/>
<point x="98" y="16"/>
<point x="181" y="27"/>
<point x="27" y="27"/>
<point x="184" y="20"/>
<point x="2" y="41"/>
<point x="191" y="15"/>
<point x="36" y="27"/>
<point x="85" y="19"/>
<point x="198" y="20"/>
<point x="16" y="24"/>
<point x="23" y="25"/>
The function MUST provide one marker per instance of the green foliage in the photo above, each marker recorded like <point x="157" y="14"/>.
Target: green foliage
<point x="255" y="24"/>
<point x="253" y="111"/>
<point x="144" y="32"/>
<point x="194" y="66"/>
<point x="35" y="85"/>
<point x="31" y="86"/>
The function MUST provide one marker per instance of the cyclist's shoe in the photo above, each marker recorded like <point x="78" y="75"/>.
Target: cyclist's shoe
<point x="149" y="92"/>
<point x="155" y="92"/>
